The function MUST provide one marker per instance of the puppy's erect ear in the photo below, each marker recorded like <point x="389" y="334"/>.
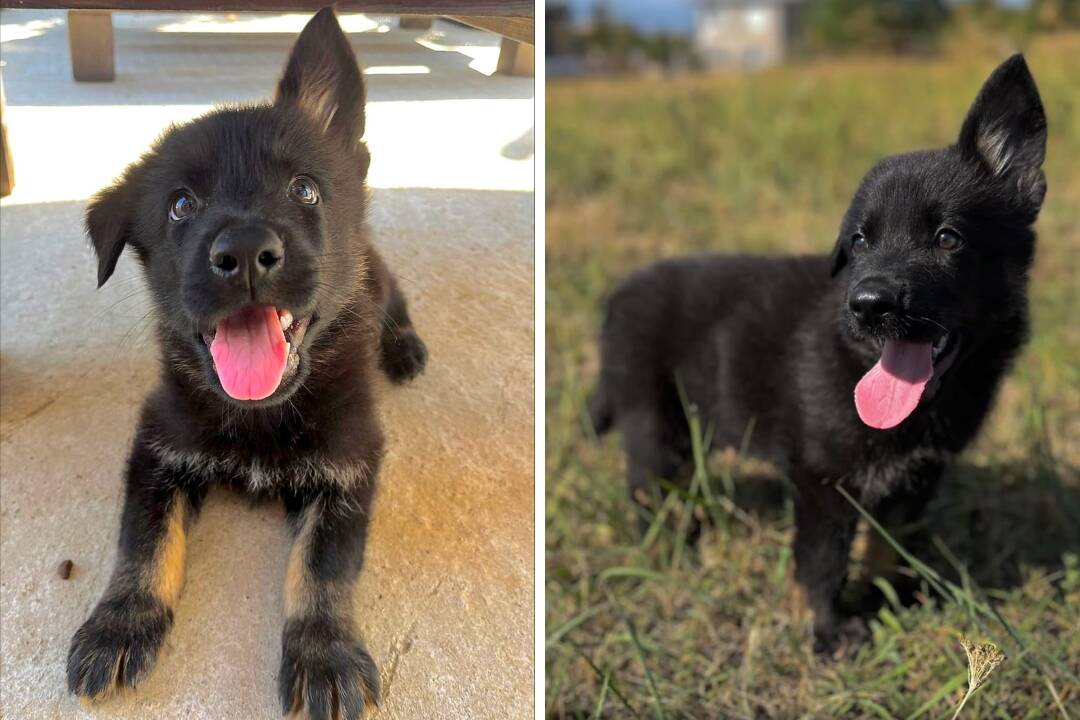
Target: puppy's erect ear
<point x="108" y="222"/>
<point x="1005" y="129"/>
<point x="323" y="79"/>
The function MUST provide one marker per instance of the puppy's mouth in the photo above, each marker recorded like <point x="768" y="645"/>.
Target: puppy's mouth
<point x="891" y="390"/>
<point x="255" y="349"/>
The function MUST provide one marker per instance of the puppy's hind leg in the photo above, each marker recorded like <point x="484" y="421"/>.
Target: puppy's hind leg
<point x="651" y="459"/>
<point x="403" y="354"/>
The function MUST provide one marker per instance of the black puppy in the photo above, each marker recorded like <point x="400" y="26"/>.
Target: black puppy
<point x="273" y="312"/>
<point x="867" y="369"/>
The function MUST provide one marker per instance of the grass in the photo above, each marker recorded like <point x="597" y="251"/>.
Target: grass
<point x="663" y="627"/>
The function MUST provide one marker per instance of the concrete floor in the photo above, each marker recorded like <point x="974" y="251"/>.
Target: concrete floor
<point x="446" y="601"/>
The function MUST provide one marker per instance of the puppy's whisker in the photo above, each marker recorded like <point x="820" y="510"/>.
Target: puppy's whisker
<point x="933" y="322"/>
<point x="347" y="301"/>
<point x="133" y="333"/>
<point x="101" y="314"/>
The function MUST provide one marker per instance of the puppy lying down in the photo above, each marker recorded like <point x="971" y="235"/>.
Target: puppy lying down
<point x="273" y="314"/>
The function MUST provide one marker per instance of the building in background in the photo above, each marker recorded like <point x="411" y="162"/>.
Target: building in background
<point x="745" y="33"/>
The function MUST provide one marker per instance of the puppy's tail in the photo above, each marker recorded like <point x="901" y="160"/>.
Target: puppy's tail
<point x="601" y="411"/>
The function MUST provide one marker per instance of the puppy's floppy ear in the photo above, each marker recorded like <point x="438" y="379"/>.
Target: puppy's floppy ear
<point x="108" y="222"/>
<point x="1005" y="130"/>
<point x="839" y="256"/>
<point x="323" y="79"/>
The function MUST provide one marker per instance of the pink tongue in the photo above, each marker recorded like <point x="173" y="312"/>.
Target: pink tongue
<point x="891" y="390"/>
<point x="249" y="353"/>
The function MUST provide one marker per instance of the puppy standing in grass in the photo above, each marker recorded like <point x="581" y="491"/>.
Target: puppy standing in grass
<point x="866" y="369"/>
<point x="273" y="313"/>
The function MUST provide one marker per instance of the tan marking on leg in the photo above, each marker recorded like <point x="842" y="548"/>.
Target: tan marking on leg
<point x="298" y="697"/>
<point x="167" y="572"/>
<point x="369" y="697"/>
<point x="117" y="671"/>
<point x="800" y="605"/>
<point x="880" y="559"/>
<point x="299" y="593"/>
<point x="877" y="557"/>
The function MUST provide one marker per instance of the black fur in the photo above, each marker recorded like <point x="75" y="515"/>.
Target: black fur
<point x="315" y="443"/>
<point x="772" y="348"/>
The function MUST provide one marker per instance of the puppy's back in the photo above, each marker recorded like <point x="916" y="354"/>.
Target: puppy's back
<point x="693" y="316"/>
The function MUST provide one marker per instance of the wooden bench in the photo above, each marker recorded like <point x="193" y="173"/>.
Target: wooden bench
<point x="90" y="32"/>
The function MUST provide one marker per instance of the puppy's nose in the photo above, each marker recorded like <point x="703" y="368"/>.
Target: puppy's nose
<point x="248" y="253"/>
<point x="873" y="299"/>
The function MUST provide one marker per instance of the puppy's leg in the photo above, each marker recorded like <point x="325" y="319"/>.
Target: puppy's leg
<point x="651" y="458"/>
<point x="120" y="641"/>
<point x="899" y="514"/>
<point x="325" y="668"/>
<point x="824" y="528"/>
<point x="402" y="353"/>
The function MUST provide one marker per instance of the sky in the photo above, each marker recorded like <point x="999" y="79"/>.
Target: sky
<point x="647" y="15"/>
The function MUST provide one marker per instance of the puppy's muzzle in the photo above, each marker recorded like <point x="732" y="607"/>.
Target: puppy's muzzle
<point x="875" y="301"/>
<point x="247" y="256"/>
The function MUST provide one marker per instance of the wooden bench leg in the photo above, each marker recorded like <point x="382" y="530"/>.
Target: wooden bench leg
<point x="90" y="35"/>
<point x="415" y="22"/>
<point x="515" y="58"/>
<point x="7" y="164"/>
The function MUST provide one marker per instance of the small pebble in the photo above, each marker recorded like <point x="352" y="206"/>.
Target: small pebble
<point x="64" y="569"/>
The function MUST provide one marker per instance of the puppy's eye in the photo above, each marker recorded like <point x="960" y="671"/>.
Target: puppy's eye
<point x="183" y="206"/>
<point x="858" y="242"/>
<point x="303" y="190"/>
<point x="948" y="239"/>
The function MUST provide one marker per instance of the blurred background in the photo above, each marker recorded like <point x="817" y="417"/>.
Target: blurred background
<point x="745" y="126"/>
<point x="591" y="36"/>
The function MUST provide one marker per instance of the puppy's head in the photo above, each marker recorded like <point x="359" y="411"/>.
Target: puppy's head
<point x="248" y="224"/>
<point x="936" y="246"/>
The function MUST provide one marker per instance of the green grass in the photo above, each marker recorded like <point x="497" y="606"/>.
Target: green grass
<point x="661" y="627"/>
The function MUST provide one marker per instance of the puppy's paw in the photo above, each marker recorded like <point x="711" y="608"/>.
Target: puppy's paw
<point x="117" y="645"/>
<point x="404" y="355"/>
<point x="325" y="672"/>
<point x="840" y="639"/>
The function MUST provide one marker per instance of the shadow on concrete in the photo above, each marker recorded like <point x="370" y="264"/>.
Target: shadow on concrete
<point x="520" y="148"/>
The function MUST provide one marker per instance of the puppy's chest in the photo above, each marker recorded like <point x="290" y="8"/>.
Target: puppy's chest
<point x="259" y="470"/>
<point x="878" y="476"/>
<point x="874" y="466"/>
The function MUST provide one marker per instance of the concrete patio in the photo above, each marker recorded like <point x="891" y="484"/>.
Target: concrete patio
<point x="446" y="601"/>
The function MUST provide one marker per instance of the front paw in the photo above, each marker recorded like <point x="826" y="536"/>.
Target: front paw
<point x="325" y="671"/>
<point x="840" y="638"/>
<point x="118" y="644"/>
<point x="404" y="354"/>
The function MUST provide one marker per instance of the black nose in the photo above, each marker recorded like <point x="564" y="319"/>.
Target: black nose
<point x="874" y="299"/>
<point x="247" y="253"/>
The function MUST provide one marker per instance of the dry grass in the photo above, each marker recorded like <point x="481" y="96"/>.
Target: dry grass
<point x="639" y="169"/>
